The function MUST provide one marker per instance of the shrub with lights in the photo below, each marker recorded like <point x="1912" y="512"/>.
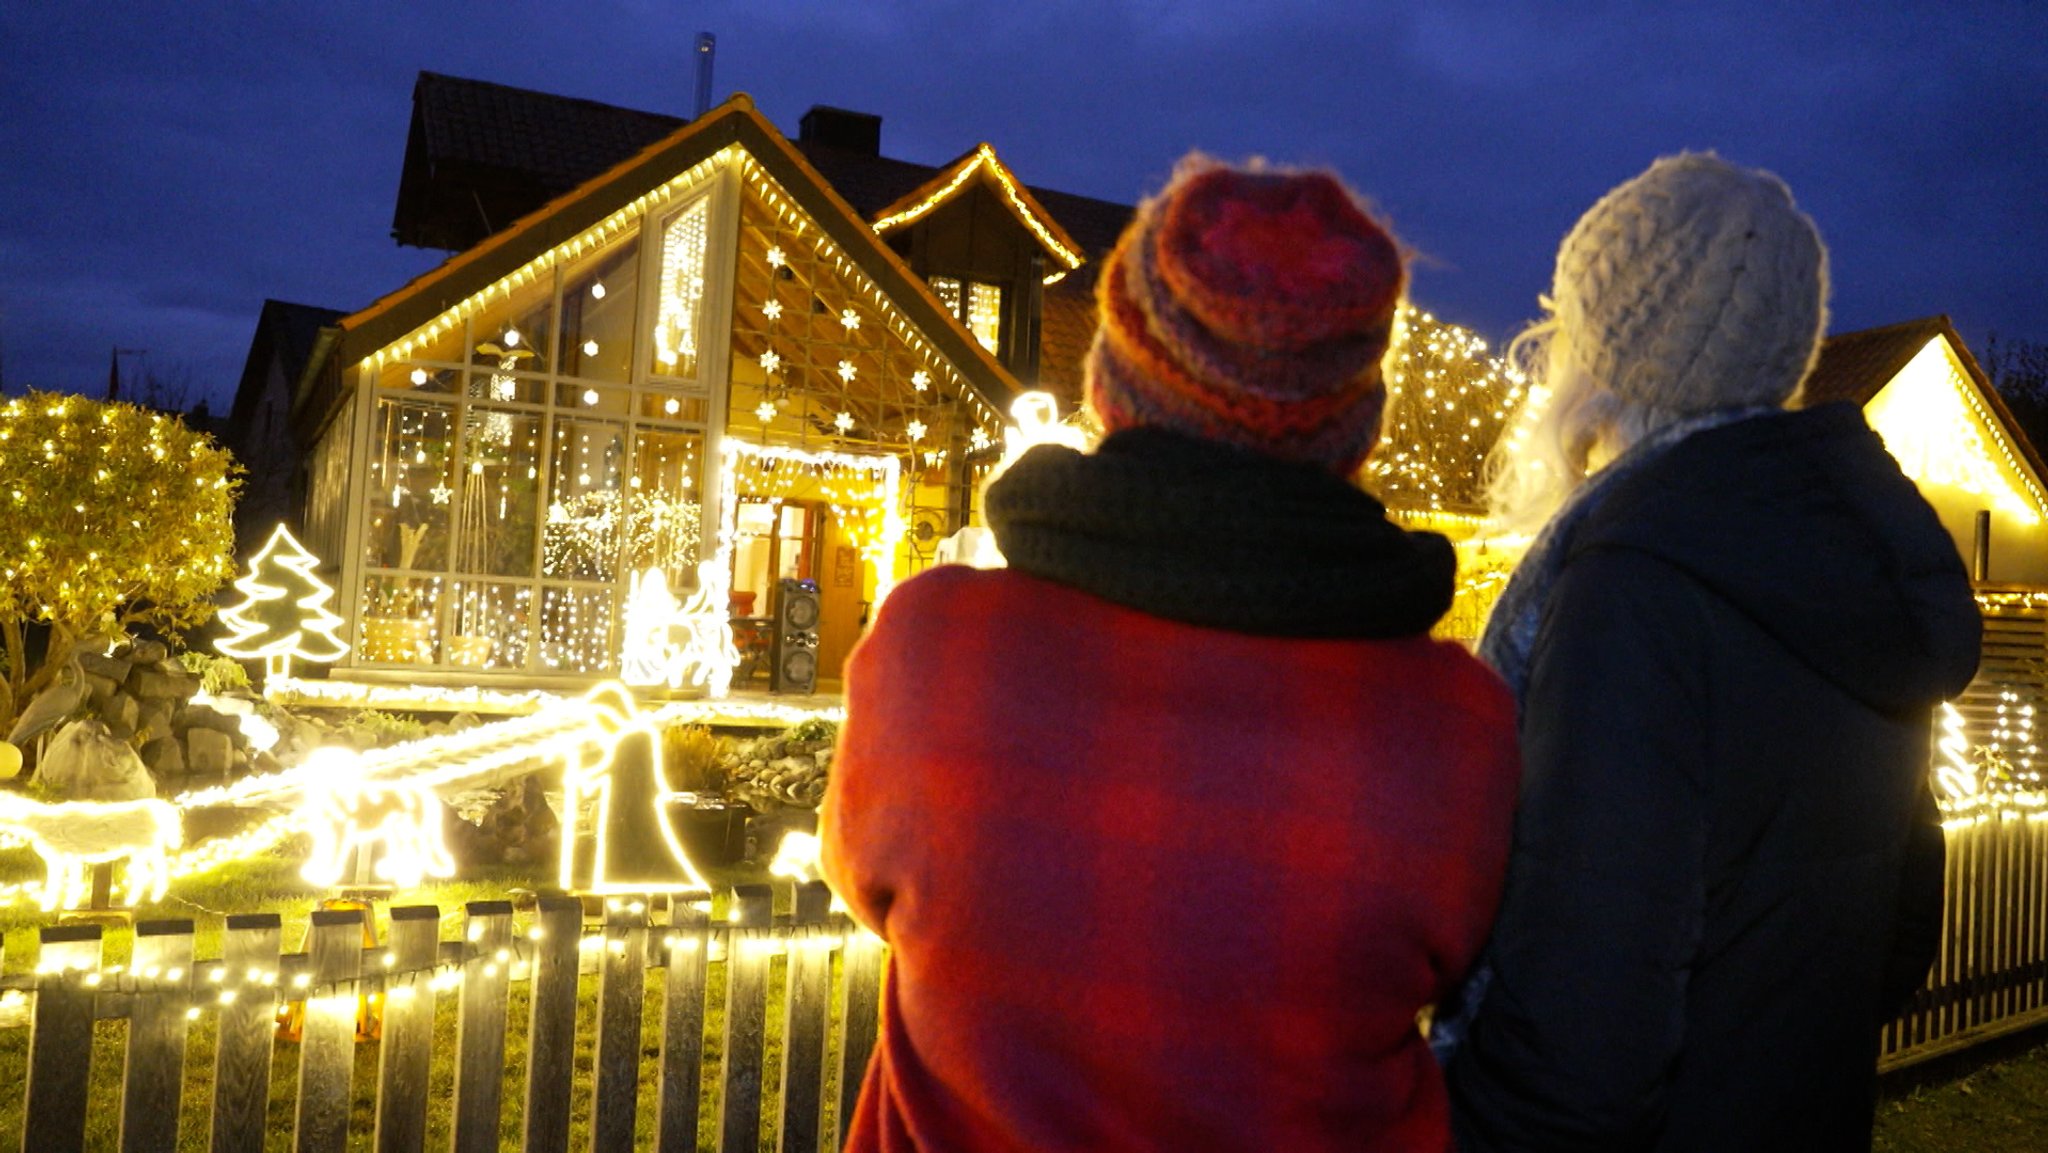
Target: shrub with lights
<point x="110" y="515"/>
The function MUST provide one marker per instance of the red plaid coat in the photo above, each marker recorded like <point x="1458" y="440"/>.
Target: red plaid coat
<point x="1152" y="886"/>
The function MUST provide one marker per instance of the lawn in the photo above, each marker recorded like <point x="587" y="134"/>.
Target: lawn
<point x="1978" y="1105"/>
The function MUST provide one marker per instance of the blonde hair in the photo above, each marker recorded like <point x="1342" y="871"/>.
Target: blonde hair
<point x="1568" y="425"/>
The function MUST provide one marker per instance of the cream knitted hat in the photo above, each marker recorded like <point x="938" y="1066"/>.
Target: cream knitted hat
<point x="1694" y="287"/>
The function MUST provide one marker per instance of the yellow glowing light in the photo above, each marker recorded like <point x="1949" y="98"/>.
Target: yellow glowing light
<point x="869" y="515"/>
<point x="592" y="777"/>
<point x="706" y="656"/>
<point x="267" y="627"/>
<point x="347" y="813"/>
<point x="1953" y="771"/>
<point x="983" y="159"/>
<point x="796" y="858"/>
<point x="72" y="835"/>
<point x="1936" y="425"/>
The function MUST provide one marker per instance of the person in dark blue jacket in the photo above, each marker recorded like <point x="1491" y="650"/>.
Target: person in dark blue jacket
<point x="1726" y="642"/>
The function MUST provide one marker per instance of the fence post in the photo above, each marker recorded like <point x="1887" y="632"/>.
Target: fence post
<point x="480" y="1026"/>
<point x="334" y="947"/>
<point x="746" y="1018"/>
<point x="807" y="1010"/>
<point x="621" y="994"/>
<point x="688" y="946"/>
<point x="154" y="1078"/>
<point x="551" y="1029"/>
<point x="861" y="1024"/>
<point x="407" y="1048"/>
<point x="241" y="1058"/>
<point x="60" y="1038"/>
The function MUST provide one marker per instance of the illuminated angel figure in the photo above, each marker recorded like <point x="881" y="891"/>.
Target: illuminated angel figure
<point x="619" y="833"/>
<point x="346" y="813"/>
<point x="704" y="655"/>
<point x="72" y="835"/>
<point x="286" y="612"/>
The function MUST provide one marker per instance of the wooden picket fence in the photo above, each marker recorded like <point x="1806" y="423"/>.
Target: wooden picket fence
<point x="1991" y="976"/>
<point x="163" y="990"/>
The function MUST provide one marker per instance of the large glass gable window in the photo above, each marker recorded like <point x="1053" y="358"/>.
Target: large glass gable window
<point x="519" y="472"/>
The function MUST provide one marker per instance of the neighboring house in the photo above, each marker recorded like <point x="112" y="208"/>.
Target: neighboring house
<point x="257" y="429"/>
<point x="771" y="358"/>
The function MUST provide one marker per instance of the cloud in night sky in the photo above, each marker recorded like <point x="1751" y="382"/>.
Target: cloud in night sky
<point x="165" y="167"/>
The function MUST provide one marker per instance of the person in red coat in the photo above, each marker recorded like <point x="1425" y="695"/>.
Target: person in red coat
<point x="1174" y="826"/>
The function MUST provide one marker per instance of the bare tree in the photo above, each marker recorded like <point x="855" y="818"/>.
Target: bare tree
<point x="2019" y="371"/>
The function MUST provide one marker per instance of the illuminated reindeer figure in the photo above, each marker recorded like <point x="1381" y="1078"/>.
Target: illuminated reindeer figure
<point x="630" y="833"/>
<point x="70" y="836"/>
<point x="347" y="812"/>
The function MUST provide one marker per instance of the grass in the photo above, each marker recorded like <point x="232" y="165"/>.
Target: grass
<point x="1995" y="1101"/>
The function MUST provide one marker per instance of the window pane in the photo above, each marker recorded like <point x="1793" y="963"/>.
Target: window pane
<point x="489" y="626"/>
<point x="587" y="401"/>
<point x="684" y="238"/>
<point x="948" y="292"/>
<point x="400" y="619"/>
<point x="597" y="315"/>
<point x="662" y="528"/>
<point x="411" y="463"/>
<point x="500" y="385"/>
<point x="576" y="629"/>
<point x="499" y="510"/>
<point x="512" y="333"/>
<point x="661" y="406"/>
<point x="985" y="313"/>
<point x="581" y="541"/>
<point x="420" y="378"/>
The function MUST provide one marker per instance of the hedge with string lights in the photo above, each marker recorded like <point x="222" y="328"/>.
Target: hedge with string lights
<point x="111" y="515"/>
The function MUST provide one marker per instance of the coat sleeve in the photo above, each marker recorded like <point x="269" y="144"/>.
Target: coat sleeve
<point x="1917" y="928"/>
<point x="1574" y="1045"/>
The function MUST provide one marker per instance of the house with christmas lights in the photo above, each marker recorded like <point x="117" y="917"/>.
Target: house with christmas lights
<point x="699" y="347"/>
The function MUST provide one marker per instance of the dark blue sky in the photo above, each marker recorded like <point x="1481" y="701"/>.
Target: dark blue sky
<point x="164" y="167"/>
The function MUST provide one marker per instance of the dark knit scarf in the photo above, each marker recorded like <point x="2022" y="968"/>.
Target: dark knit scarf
<point x="1198" y="532"/>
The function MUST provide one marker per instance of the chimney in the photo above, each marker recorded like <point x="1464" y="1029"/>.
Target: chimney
<point x="707" y="47"/>
<point x="838" y="128"/>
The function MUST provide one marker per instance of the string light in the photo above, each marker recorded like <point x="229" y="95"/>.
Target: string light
<point x="284" y="614"/>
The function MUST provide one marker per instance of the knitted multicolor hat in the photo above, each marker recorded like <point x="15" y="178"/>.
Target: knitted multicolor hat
<point x="1250" y="307"/>
<point x="1694" y="287"/>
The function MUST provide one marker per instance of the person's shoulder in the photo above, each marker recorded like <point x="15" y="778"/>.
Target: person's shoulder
<point x="1462" y="677"/>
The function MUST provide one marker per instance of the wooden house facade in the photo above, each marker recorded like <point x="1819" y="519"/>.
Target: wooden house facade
<point x="703" y="360"/>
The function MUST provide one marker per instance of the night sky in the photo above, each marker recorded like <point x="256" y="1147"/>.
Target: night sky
<point x="165" y="167"/>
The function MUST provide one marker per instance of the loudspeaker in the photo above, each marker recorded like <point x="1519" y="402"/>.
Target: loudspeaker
<point x="796" y="638"/>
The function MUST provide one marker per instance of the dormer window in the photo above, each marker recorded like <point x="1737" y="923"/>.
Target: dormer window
<point x="979" y="306"/>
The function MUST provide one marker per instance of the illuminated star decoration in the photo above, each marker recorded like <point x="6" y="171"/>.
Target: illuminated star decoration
<point x="846" y="371"/>
<point x="920" y="380"/>
<point x="765" y="410"/>
<point x="772" y="310"/>
<point x="916" y="429"/>
<point x="844" y="422"/>
<point x="770" y="361"/>
<point x="849" y="319"/>
<point x="441" y="493"/>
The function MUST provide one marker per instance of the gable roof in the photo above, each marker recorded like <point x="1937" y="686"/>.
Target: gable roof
<point x="981" y="161"/>
<point x="285" y="335"/>
<point x="477" y="150"/>
<point x="1856" y="366"/>
<point x="564" y="219"/>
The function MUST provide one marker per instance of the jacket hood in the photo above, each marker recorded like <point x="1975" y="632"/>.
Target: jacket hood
<point x="1804" y="523"/>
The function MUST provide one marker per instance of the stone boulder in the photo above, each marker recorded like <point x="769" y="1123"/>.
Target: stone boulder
<point x="85" y="761"/>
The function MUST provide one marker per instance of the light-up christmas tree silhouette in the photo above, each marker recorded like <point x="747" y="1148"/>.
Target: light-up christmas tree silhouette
<point x="286" y="612"/>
